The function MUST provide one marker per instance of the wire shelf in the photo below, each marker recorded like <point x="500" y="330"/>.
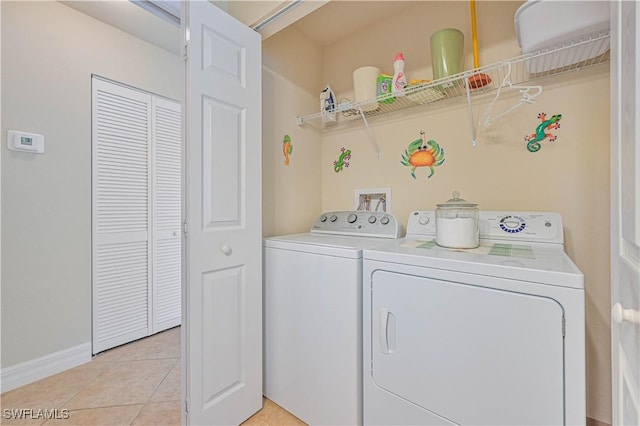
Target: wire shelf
<point x="569" y="56"/>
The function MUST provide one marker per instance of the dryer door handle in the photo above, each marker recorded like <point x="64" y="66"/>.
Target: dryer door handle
<point x="386" y="331"/>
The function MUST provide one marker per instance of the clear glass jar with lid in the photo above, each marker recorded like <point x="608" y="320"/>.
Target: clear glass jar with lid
<point x="457" y="223"/>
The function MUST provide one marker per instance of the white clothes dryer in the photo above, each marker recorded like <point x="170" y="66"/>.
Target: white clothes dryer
<point x="485" y="336"/>
<point x="313" y="316"/>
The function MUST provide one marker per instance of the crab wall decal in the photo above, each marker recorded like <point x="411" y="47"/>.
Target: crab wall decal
<point x="423" y="154"/>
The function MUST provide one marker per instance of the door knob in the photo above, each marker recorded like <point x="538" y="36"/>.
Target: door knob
<point x="619" y="314"/>
<point x="226" y="249"/>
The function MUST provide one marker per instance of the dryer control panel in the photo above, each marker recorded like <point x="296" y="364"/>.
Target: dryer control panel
<point x="542" y="227"/>
<point x="358" y="223"/>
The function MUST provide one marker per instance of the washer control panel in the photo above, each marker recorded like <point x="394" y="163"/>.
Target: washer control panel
<point x="544" y="227"/>
<point x="358" y="223"/>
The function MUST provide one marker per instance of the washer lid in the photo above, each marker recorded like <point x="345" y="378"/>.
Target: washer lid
<point x="537" y="263"/>
<point x="331" y="245"/>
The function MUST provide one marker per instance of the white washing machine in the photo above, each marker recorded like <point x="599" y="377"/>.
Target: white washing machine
<point x="487" y="336"/>
<point x="313" y="316"/>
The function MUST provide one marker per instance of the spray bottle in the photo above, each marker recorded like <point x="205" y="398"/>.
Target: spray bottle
<point x="399" y="79"/>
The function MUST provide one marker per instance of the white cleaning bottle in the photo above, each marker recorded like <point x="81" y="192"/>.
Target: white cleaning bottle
<point x="399" y="79"/>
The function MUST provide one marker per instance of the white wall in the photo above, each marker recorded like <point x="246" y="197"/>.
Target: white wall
<point x="49" y="52"/>
<point x="291" y="195"/>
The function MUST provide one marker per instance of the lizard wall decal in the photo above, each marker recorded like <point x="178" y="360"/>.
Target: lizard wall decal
<point x="533" y="140"/>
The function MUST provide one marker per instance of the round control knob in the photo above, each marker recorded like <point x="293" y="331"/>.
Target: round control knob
<point x="372" y="219"/>
<point x="323" y="218"/>
<point x="352" y="218"/>
<point x="333" y="218"/>
<point x="512" y="224"/>
<point x="384" y="220"/>
<point x="423" y="220"/>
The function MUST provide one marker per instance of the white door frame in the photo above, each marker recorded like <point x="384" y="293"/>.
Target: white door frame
<point x="625" y="212"/>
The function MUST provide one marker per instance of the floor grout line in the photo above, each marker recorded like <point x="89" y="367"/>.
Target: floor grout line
<point x="162" y="381"/>
<point x="89" y="383"/>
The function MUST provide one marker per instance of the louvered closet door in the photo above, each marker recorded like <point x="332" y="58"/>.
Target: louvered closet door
<point x="166" y="296"/>
<point x="121" y="198"/>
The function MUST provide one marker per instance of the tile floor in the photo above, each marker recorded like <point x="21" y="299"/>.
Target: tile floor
<point x="134" y="384"/>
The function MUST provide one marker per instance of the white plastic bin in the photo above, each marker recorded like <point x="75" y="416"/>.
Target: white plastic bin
<point x="550" y="24"/>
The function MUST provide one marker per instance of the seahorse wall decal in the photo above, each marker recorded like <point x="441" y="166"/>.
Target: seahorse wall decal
<point x="343" y="160"/>
<point x="287" y="149"/>
<point x="533" y="140"/>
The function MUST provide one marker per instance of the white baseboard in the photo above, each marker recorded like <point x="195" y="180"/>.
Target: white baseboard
<point x="45" y="366"/>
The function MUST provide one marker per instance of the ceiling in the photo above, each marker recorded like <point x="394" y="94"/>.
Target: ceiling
<point x="339" y="18"/>
<point x="132" y="19"/>
<point x="326" y="25"/>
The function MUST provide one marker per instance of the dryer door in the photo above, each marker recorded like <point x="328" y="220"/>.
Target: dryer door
<point x="473" y="355"/>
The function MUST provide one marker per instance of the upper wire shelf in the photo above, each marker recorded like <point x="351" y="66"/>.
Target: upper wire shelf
<point x="569" y="56"/>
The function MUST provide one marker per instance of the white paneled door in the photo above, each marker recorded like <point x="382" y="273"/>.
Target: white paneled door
<point x="136" y="190"/>
<point x="222" y="324"/>
<point x="625" y="212"/>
